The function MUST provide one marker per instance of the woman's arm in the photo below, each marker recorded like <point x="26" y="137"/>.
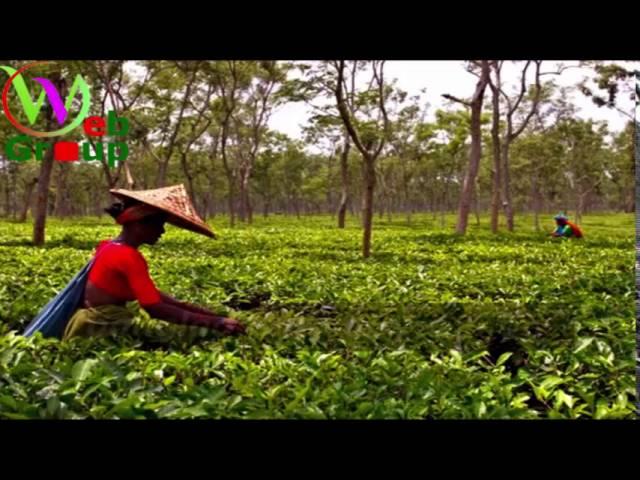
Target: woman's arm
<point x="169" y="300"/>
<point x="176" y="314"/>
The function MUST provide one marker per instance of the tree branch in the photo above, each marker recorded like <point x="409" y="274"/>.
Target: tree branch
<point x="523" y="89"/>
<point x="455" y="99"/>
<point x="534" y="104"/>
<point x="381" y="99"/>
<point x="344" y="113"/>
<point x="561" y="68"/>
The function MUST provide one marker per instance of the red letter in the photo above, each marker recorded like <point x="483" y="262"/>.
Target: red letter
<point x="65" y="151"/>
<point x="94" y="126"/>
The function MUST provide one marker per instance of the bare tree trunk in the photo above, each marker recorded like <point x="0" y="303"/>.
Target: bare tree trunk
<point x="61" y="208"/>
<point x="7" y="200"/>
<point x="293" y="202"/>
<point x="514" y="132"/>
<point x="247" y="201"/>
<point x="14" y="192"/>
<point x="367" y="150"/>
<point x="206" y="204"/>
<point x="434" y="204"/>
<point x="97" y="208"/>
<point x="231" y="181"/>
<point x="536" y="204"/>
<point x="131" y="183"/>
<point x="244" y="211"/>
<point x="495" y="172"/>
<point x="580" y="205"/>
<point x="231" y="200"/>
<point x="187" y="174"/>
<point x="443" y="207"/>
<point x="370" y="182"/>
<point x="42" y="197"/>
<point x="508" y="207"/>
<point x="344" y="171"/>
<point x="405" y="183"/>
<point x="475" y="204"/>
<point x="476" y="150"/>
<point x="629" y="206"/>
<point x="28" y="192"/>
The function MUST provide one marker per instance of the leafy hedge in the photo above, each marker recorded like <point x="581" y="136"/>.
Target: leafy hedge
<point x="432" y="326"/>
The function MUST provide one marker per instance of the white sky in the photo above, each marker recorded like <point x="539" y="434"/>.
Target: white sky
<point x="440" y="77"/>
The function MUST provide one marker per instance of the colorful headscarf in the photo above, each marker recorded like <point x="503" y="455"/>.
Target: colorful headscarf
<point x="135" y="213"/>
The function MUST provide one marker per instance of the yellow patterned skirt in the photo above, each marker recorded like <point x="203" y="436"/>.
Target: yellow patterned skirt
<point x="98" y="321"/>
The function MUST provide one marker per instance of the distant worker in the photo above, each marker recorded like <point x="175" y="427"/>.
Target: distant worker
<point x="565" y="228"/>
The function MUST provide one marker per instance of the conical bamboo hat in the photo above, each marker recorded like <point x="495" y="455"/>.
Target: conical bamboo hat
<point x="172" y="200"/>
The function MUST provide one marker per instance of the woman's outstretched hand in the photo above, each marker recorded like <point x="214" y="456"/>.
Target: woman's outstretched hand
<point x="231" y="326"/>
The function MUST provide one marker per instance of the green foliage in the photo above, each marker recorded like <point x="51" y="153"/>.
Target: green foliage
<point x="433" y="325"/>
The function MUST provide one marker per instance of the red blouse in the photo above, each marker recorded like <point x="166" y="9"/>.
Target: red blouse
<point x="121" y="271"/>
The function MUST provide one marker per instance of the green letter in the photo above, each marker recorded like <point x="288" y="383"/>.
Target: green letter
<point x="21" y="154"/>
<point x="113" y="121"/>
<point x="40" y="148"/>
<point x="123" y="153"/>
<point x="86" y="152"/>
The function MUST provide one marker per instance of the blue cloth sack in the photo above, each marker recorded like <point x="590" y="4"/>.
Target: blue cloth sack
<point x="53" y="318"/>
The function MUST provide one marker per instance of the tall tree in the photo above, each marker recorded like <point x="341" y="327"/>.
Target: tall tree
<point x="475" y="105"/>
<point x="250" y="122"/>
<point x="496" y="177"/>
<point x="369" y="137"/>
<point x="42" y="196"/>
<point x="514" y="131"/>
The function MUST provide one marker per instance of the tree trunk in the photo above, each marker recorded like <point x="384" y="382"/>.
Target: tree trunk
<point x="211" y="207"/>
<point x="475" y="153"/>
<point x="370" y="182"/>
<point x="329" y="197"/>
<point x="247" y="202"/>
<point x="630" y="203"/>
<point x="443" y="207"/>
<point x="188" y="175"/>
<point x="407" y="203"/>
<point x="206" y="205"/>
<point x="475" y="204"/>
<point x="513" y="133"/>
<point x="580" y="206"/>
<point x="61" y="208"/>
<point x="244" y="212"/>
<point x="14" y="191"/>
<point x="434" y="205"/>
<point x="42" y="197"/>
<point x="495" y="172"/>
<point x="508" y="207"/>
<point x="231" y="200"/>
<point x="344" y="171"/>
<point x="535" y="194"/>
<point x="28" y="192"/>
<point x="161" y="178"/>
<point x="296" y="207"/>
<point x="7" y="200"/>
